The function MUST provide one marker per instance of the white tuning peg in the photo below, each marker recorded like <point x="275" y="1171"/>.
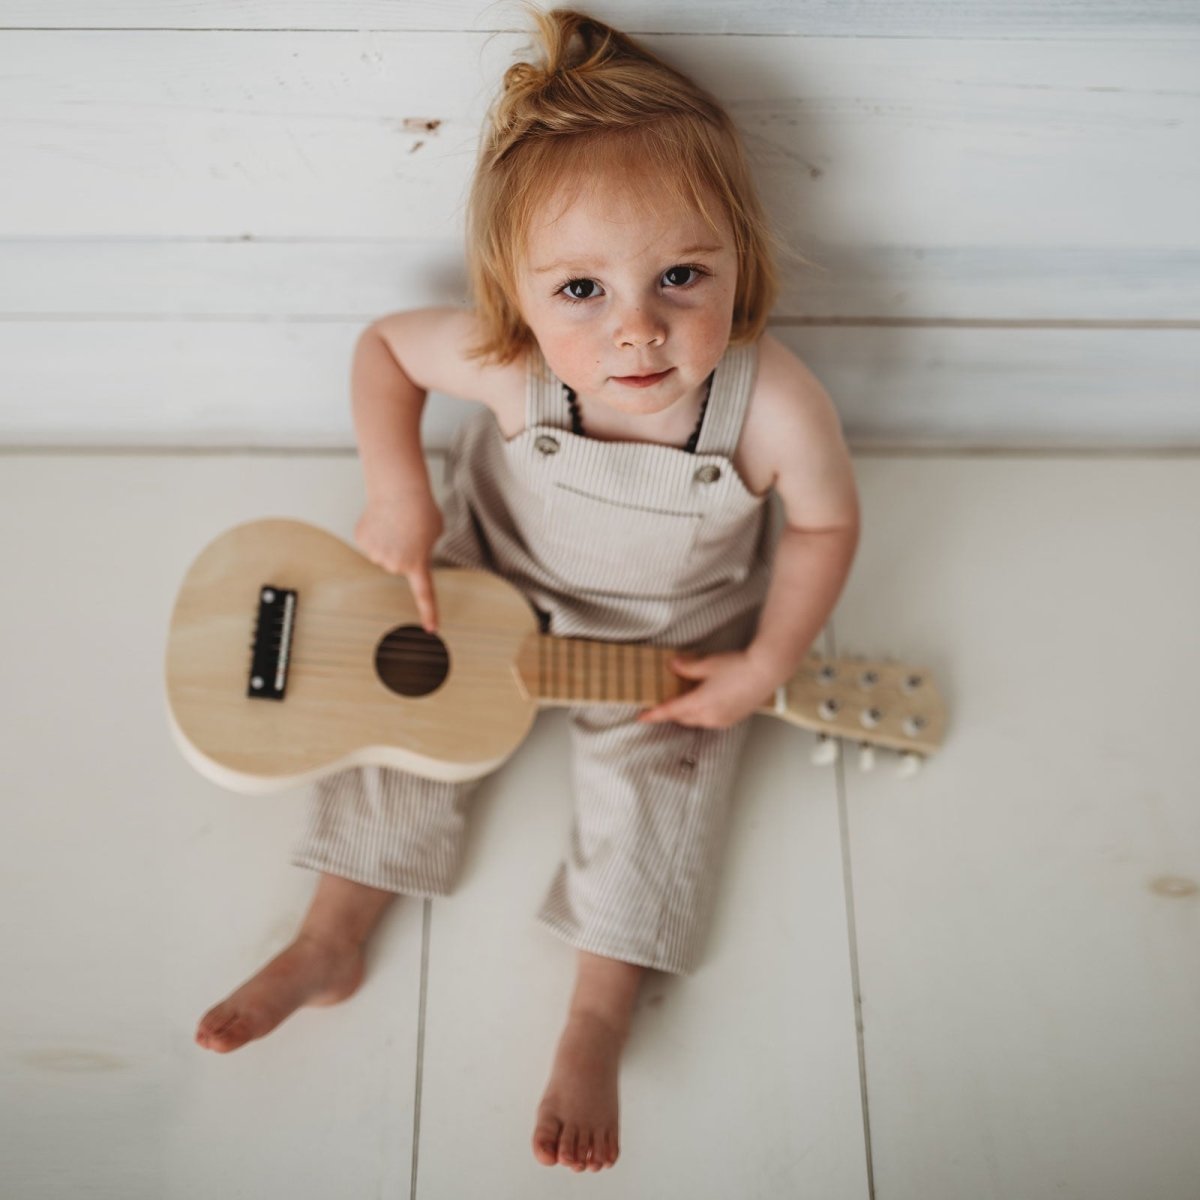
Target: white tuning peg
<point x="866" y="757"/>
<point x="825" y="751"/>
<point x="910" y="764"/>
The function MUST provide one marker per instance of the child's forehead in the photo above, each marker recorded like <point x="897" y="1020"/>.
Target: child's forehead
<point x="593" y="206"/>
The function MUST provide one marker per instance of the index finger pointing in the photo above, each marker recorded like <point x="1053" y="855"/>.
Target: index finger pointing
<point x="421" y="583"/>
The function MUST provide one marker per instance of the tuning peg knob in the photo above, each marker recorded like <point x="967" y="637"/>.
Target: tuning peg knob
<point x="866" y="757"/>
<point x="825" y="752"/>
<point x="910" y="764"/>
<point x="828" y="709"/>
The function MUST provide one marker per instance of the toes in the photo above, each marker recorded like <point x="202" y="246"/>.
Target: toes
<point x="212" y="1020"/>
<point x="233" y="1033"/>
<point x="587" y="1150"/>
<point x="220" y="1029"/>
<point x="611" y="1149"/>
<point x="227" y="1027"/>
<point x="545" y="1141"/>
<point x="568" y="1147"/>
<point x="595" y="1154"/>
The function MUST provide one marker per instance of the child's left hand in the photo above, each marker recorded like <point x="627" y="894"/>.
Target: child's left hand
<point x="732" y="686"/>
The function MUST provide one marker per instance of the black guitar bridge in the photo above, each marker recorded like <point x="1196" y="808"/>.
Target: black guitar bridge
<point x="272" y="643"/>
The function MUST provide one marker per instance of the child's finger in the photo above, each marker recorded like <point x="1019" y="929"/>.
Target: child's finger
<point x="664" y="712"/>
<point x="421" y="583"/>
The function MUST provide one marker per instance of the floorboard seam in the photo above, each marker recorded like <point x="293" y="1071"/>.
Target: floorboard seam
<point x="416" y="1138"/>
<point x="852" y="942"/>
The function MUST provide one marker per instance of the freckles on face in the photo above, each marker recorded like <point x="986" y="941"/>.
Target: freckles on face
<point x="611" y="288"/>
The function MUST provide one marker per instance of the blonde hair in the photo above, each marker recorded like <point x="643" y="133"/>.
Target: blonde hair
<point x="599" y="101"/>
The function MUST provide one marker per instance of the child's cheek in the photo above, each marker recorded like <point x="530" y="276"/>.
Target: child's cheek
<point x="573" y="359"/>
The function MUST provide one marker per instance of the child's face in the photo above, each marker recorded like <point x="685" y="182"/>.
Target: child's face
<point x="614" y="290"/>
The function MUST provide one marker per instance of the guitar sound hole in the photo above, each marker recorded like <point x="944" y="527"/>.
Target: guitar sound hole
<point x="411" y="661"/>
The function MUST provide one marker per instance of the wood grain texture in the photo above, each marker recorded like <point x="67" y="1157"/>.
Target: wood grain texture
<point x="813" y="18"/>
<point x="285" y="384"/>
<point x="202" y="214"/>
<point x="337" y="711"/>
<point x="860" y="140"/>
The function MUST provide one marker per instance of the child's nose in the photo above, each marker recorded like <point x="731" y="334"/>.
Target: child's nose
<point x="639" y="325"/>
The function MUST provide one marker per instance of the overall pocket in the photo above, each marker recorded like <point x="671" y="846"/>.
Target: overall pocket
<point x="595" y="544"/>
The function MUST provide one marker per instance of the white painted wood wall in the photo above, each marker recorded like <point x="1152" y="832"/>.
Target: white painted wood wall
<point x="202" y="204"/>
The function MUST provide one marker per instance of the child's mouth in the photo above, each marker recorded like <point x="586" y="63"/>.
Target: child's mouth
<point x="642" y="380"/>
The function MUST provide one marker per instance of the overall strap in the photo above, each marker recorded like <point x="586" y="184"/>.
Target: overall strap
<point x="728" y="401"/>
<point x="544" y="397"/>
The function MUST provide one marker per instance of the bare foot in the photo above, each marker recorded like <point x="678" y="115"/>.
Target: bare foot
<point x="312" y="970"/>
<point x="577" y="1118"/>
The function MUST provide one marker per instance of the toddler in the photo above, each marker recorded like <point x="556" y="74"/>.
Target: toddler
<point x="635" y="421"/>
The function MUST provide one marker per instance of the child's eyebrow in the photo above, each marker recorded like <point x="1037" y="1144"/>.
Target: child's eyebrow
<point x="601" y="264"/>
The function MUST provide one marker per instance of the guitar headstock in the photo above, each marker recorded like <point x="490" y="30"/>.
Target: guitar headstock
<point x="873" y="702"/>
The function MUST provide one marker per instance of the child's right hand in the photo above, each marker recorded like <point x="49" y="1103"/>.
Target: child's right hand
<point x="398" y="534"/>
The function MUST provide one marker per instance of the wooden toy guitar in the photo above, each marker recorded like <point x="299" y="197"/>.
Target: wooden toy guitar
<point x="290" y="656"/>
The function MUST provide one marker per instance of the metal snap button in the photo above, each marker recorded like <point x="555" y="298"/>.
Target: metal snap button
<point x="547" y="445"/>
<point x="708" y="474"/>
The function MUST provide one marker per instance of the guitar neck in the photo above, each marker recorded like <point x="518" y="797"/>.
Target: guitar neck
<point x="557" y="671"/>
<point x="886" y="704"/>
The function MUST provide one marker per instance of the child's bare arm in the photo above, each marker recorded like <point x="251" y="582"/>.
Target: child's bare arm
<point x="792" y="437"/>
<point x="397" y="361"/>
<point x="798" y="436"/>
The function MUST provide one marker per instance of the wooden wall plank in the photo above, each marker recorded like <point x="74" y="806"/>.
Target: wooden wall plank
<point x="1120" y="19"/>
<point x="286" y="383"/>
<point x="892" y="141"/>
<point x="309" y="181"/>
<point x="340" y="280"/>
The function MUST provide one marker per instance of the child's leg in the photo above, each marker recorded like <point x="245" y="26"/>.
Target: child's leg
<point x="577" y="1118"/>
<point x="403" y="833"/>
<point x="651" y="803"/>
<point x="322" y="966"/>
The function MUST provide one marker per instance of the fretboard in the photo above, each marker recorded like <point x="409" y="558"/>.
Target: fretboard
<point x="559" y="670"/>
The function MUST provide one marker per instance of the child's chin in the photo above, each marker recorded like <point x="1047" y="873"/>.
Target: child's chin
<point x="643" y="404"/>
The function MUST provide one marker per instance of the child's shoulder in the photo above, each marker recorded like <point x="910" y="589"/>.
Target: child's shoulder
<point x="792" y="438"/>
<point x="786" y="402"/>
<point x="433" y="348"/>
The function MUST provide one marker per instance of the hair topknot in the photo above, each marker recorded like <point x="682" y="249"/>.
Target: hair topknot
<point x="583" y="72"/>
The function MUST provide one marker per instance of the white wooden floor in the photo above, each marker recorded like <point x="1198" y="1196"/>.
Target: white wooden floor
<point x="1021" y="922"/>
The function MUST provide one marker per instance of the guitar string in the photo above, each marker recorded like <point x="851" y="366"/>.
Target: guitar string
<point x="593" y="676"/>
<point x="564" y="659"/>
<point x="574" y="687"/>
<point x="583" y="679"/>
<point x="608" y="653"/>
<point x="553" y="686"/>
<point x="589" y="678"/>
<point x="570" y="656"/>
<point x="472" y="636"/>
<point x="594" y="656"/>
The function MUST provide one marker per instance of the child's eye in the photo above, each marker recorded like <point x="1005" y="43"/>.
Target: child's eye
<point x="672" y="276"/>
<point x="587" y="289"/>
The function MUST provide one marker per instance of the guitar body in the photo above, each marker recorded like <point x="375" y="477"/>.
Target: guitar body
<point x="290" y="656"/>
<point x="360" y="680"/>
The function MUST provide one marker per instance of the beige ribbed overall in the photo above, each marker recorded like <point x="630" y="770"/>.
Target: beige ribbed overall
<point x="621" y="541"/>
